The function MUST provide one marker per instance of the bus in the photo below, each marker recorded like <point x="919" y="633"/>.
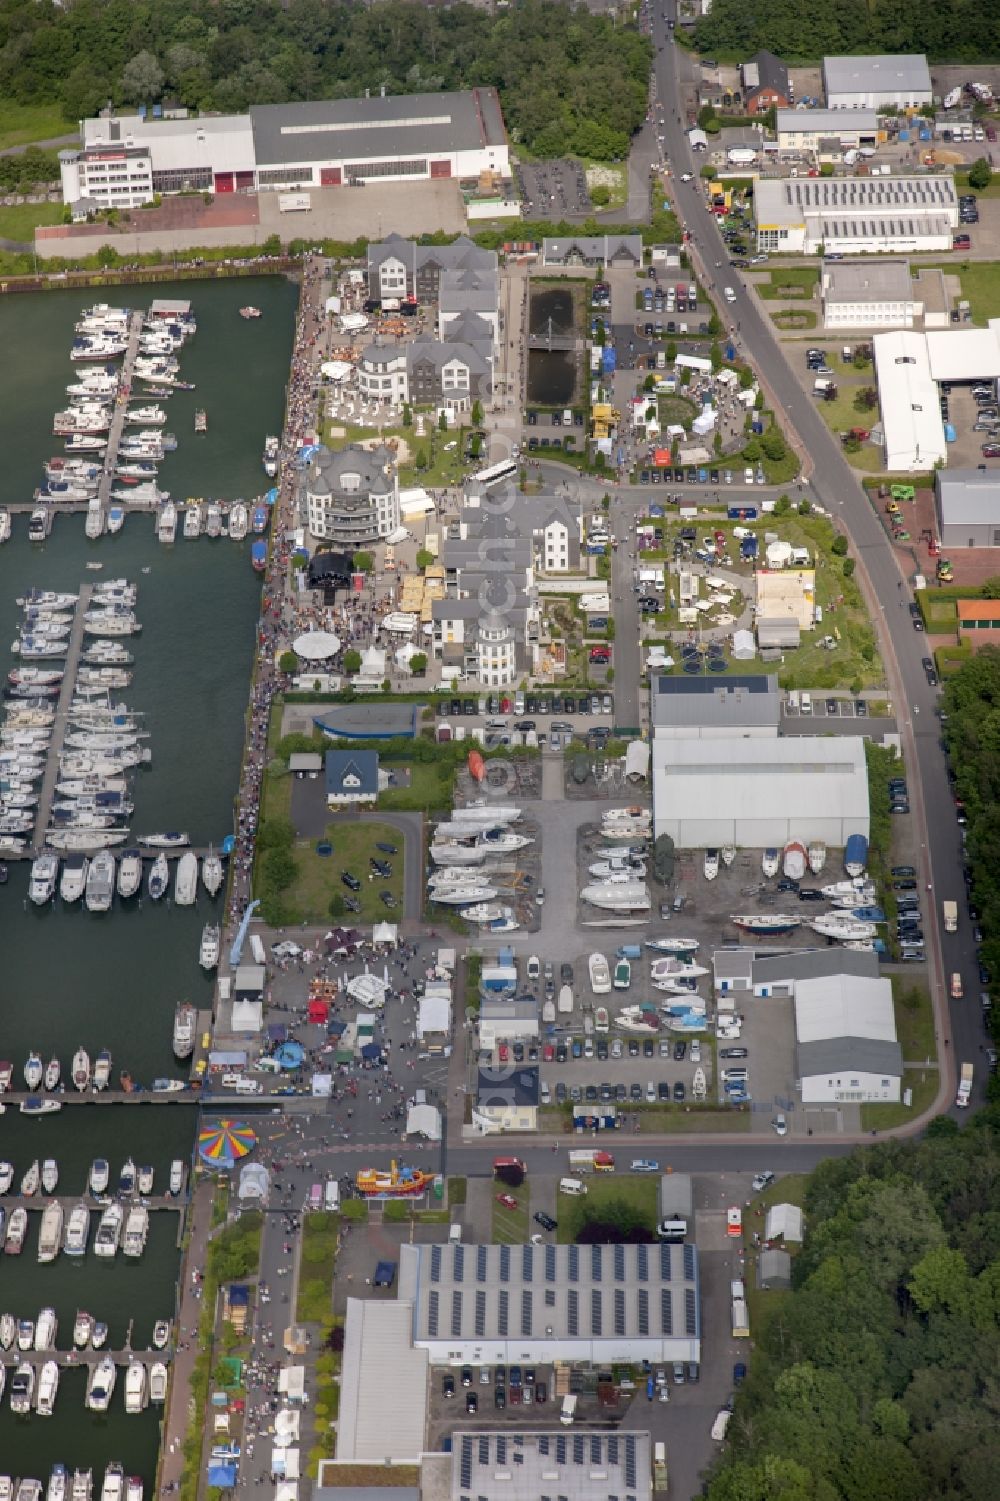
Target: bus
<point x="497" y="474"/>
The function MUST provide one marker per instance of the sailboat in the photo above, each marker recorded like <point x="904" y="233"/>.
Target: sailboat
<point x="81" y="1069"/>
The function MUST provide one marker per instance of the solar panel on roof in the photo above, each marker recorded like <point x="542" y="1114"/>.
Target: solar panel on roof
<point x="543" y="1443"/>
<point x="484" y="1450"/>
<point x="573" y="1261"/>
<point x="550" y="1263"/>
<point x="642" y="1263"/>
<point x="480" y="1315"/>
<point x="666" y="1311"/>
<point x="526" y="1314"/>
<point x="572" y="1312"/>
<point x="501" y="1449"/>
<point x="432" y="1315"/>
<point x="481" y="1263"/>
<point x="689" y="1260"/>
<point x="643" y="1311"/>
<point x="505" y="1263"/>
<point x="550" y="1297"/>
<point x="595" y="1448"/>
<point x="503" y="1304"/>
<point x="630" y="1476"/>
<point x="620" y="1312"/>
<point x="466" y="1461"/>
<point x="435" y="1263"/>
<point x="596" y="1263"/>
<point x="690" y="1312"/>
<point x="596" y="1311"/>
<point x="560" y="1449"/>
<point x="665" y="1262"/>
<point x="456" y="1314"/>
<point x="527" y="1263"/>
<point x="578" y="1448"/>
<point x="612" y="1448"/>
<point x="458" y="1265"/>
<point x="619" y="1263"/>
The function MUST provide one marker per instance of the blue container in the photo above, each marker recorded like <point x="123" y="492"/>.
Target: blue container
<point x="730" y="352"/>
<point x="609" y="359"/>
<point x="904" y="135"/>
<point x="925" y="133"/>
<point x="757" y="427"/>
<point x="949" y="433"/>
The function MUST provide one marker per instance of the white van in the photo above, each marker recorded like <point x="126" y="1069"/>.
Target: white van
<point x="331" y="1195"/>
<point x="572" y="1186"/>
<point x="806" y="704"/>
<point x="248" y="1086"/>
<point x="729" y="294"/>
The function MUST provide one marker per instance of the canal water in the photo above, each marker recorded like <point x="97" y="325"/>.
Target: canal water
<point x="73" y="978"/>
<point x="551" y="373"/>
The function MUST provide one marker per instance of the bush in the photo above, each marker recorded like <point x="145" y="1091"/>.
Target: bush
<point x="839" y="546"/>
<point x="980" y="174"/>
<point x="600" y="195"/>
<point x="848" y="567"/>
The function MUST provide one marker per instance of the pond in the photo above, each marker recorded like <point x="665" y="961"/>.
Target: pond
<point x="552" y="373"/>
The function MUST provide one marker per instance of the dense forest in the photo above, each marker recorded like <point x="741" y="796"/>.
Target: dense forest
<point x="569" y="81"/>
<point x="972" y="736"/>
<point x="877" y="1376"/>
<point x="960" y="30"/>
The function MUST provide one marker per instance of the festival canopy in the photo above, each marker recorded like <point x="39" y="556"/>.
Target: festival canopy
<point x="316" y="646"/>
<point x="225" y="1142"/>
<point x="290" y="1054"/>
<point x="319" y="1011"/>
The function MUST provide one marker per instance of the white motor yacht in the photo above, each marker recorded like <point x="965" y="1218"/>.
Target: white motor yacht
<point x="136" y="1231"/>
<point x="83" y="1485"/>
<point x="31" y="1180"/>
<point x="136" y="1391"/>
<point x="166" y="525"/>
<point x="159" y="877"/>
<point x="144" y="1181"/>
<point x="83" y="1327"/>
<point x="239" y="521"/>
<point x="50" y="1175"/>
<point x="185" y="1022"/>
<point x="101" y="1385"/>
<point x="99" y="1177"/>
<point x="100" y="882"/>
<point x="48" y="1386"/>
<point x="25" y="1334"/>
<point x="208" y="955"/>
<point x="212" y="872"/>
<point x="77" y="1231"/>
<point x="192" y="520"/>
<point x="176" y="1182"/>
<point x="600" y="974"/>
<point x="711" y="864"/>
<point x="58" y="1480"/>
<point x="109" y="1231"/>
<point x="186" y="880"/>
<point x="22" y="1389"/>
<point x="158" y="1382"/>
<point x="73" y="883"/>
<point x="46" y="1330"/>
<point x="6" y="1178"/>
<point x="8" y="1330"/>
<point x="51" y="1232"/>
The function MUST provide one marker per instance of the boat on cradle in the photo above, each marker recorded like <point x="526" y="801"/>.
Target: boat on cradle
<point x="99" y="1177"/>
<point x="765" y="924"/>
<point x="843" y="926"/>
<point x="84" y="839"/>
<point x="129" y="873"/>
<point x="136" y="1231"/>
<point x="17" y="1229"/>
<point x="30" y="1180"/>
<point x="192" y="520"/>
<point x="73" y="882"/>
<point x="208" y="954"/>
<point x="212" y="872"/>
<point x="617" y="896"/>
<point x="116" y="518"/>
<point x="159" y="877"/>
<point x="46" y="1330"/>
<point x="51" y="1232"/>
<point x="50" y="1175"/>
<point x="855" y="854"/>
<point x="44" y="877"/>
<point x="176" y="1182"/>
<point x="676" y="969"/>
<point x="794" y="860"/>
<point x="25" y="1334"/>
<point x="728" y="854"/>
<point x="600" y="974"/>
<point x="22" y="1389"/>
<point x="58" y="1484"/>
<point x="80" y="1069"/>
<point x="816" y="854"/>
<point x="83" y="1326"/>
<point x="144" y="1181"/>
<point x="77" y="1231"/>
<point x="673" y="945"/>
<point x="100" y="882"/>
<point x="83" y="1485"/>
<point x="770" y="862"/>
<point x="34" y="1072"/>
<point x="186" y="880"/>
<point x="109" y="1231"/>
<point x="622" y="977"/>
<point x="491" y="916"/>
<point x="48" y="1386"/>
<point x="166" y="523"/>
<point x="185" y="1022"/>
<point x="102" y="1069"/>
<point x="711" y="864"/>
<point x="271" y="455"/>
<point x="37" y="1104"/>
<point x="161" y="1334"/>
<point x="455" y="895"/>
<point x="158" y="1382"/>
<point x="136" y="1391"/>
<point x="168" y="841"/>
<point x="239" y="521"/>
<point x="100" y="1386"/>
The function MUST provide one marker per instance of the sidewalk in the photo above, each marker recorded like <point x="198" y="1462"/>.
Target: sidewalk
<point x="186" y="1347"/>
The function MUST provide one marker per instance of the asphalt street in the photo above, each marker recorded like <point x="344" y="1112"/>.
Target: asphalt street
<point x="836" y="486"/>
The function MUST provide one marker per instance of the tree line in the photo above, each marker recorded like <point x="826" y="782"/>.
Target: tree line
<point x="569" y="81"/>
<point x="961" y="31"/>
<point x="876" y="1375"/>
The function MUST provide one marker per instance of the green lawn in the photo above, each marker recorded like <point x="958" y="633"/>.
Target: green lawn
<point x="21" y="221"/>
<point x="924" y="1084"/>
<point x="318" y="878"/>
<point x="783" y="283"/>
<point x="794" y="318"/>
<point x="319" y="1256"/>
<point x="914" y="1019"/>
<point x="607" y="1188"/>
<point x="980" y="284"/>
<point x="430" y="789"/>
<point x="20" y="124"/>
<point x="510" y="1226"/>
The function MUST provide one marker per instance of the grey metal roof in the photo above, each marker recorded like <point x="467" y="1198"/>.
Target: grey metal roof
<point x="887" y="73"/>
<point x="969" y="497"/>
<point x="739" y="701"/>
<point x="774" y="1268"/>
<point x="832" y="120"/>
<point x="373" y="721"/>
<point x="440" y="352"/>
<point x="578" y="1465"/>
<point x="775" y="632"/>
<point x="733" y="964"/>
<point x="382" y="1373"/>
<point x="397" y="126"/>
<point x="869" y="280"/>
<point x="603" y="248"/>
<point x="814" y="964"/>
<point x="496" y="1008"/>
<point x="552" y="1292"/>
<point x="844" y="1056"/>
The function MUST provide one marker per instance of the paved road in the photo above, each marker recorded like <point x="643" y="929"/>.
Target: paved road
<point x="836" y="486"/>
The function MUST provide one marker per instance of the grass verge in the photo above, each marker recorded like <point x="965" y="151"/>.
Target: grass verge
<point x="914" y="1019"/>
<point x="20" y="221"/>
<point x="924" y="1084"/>
<point x="20" y="124"/>
<point x="784" y="282"/>
<point x="319" y="1257"/>
<point x="510" y="1226"/>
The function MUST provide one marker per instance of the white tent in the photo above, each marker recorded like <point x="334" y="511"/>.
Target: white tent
<point x="286" y="1490"/>
<point x="286" y="1426"/>
<point x="415" y="502"/>
<point x="316" y="646"/>
<point x="248" y="1016"/>
<point x="704" y="422"/>
<point x="336" y="370"/>
<point x="637" y="761"/>
<point x="404" y="655"/>
<point x="385" y="932"/>
<point x="779" y="554"/>
<point x="399" y="622"/>
<point x="424" y="1120"/>
<point x="372" y="665"/>
<point x="368" y="990"/>
<point x="255" y="1181"/>
<point x="744" y="649"/>
<point x="434" y="1014"/>
<point x="784" y="1222"/>
<point x="285" y="1462"/>
<point x="292" y="1383"/>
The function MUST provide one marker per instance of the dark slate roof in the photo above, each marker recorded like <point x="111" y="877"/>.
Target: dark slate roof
<point x="343" y="768"/>
<point x="397" y="126"/>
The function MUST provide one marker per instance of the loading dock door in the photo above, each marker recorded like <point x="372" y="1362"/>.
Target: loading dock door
<point x="440" y="169"/>
<point x="329" y="177"/>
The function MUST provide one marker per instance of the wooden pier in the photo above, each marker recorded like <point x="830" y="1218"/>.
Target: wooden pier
<point x="40" y="1202"/>
<point x="104" y="484"/>
<point x="85" y="1358"/>
<point x="67" y="689"/>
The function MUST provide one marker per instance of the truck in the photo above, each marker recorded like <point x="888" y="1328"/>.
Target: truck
<point x="676" y="1206"/>
<point x="738" y="1302"/>
<point x="567" y="1413"/>
<point x="660" y="1467"/>
<point x="964" y="1087"/>
<point x="949" y="912"/>
<point x="591" y="1161"/>
<point x="505" y="1167"/>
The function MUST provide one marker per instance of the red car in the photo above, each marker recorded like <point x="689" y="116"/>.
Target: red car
<point x="990" y="450"/>
<point x="507" y="1200"/>
<point x="503" y="1053"/>
<point x="548" y="1053"/>
<point x="600" y="655"/>
<point x="961" y="242"/>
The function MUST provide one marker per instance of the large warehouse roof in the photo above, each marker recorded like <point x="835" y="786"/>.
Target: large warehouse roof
<point x="826" y="121"/>
<point x="577" y="1466"/>
<point x="792" y="200"/>
<point x="908" y="397"/>
<point x="844" y="1005"/>
<point x="969" y="497"/>
<point x="551" y="1292"/>
<point x="752" y="700"/>
<point x="396" y="126"/>
<point x="881" y="73"/>
<point x="383" y="1373"/>
<point x="963" y="354"/>
<point x="803" y="777"/>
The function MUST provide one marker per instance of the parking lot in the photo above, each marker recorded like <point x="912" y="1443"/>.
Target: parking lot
<point x="553" y="189"/>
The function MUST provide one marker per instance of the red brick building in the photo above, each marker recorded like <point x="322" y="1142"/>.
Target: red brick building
<point x="765" y="84"/>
